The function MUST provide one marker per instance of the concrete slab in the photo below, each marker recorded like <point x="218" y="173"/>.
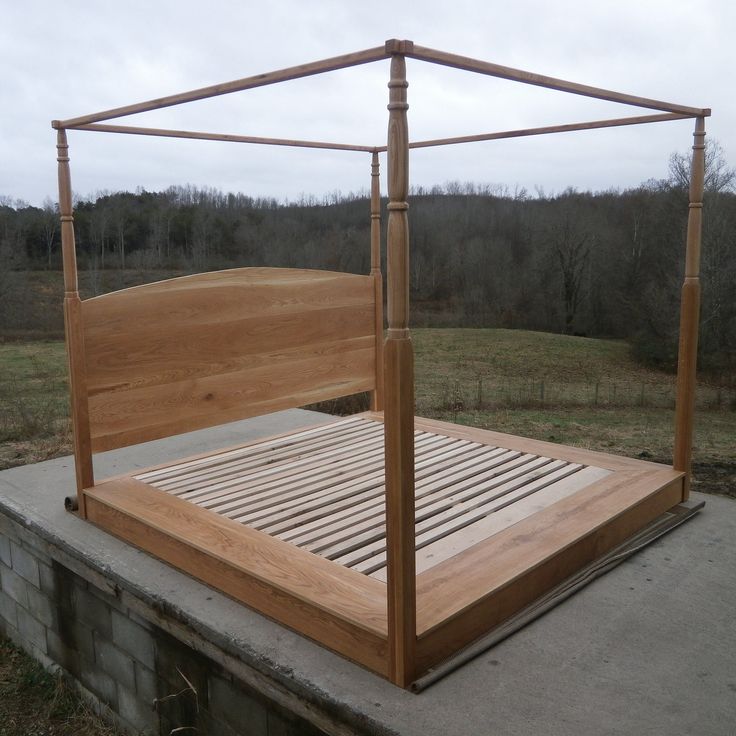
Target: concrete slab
<point x="649" y="648"/>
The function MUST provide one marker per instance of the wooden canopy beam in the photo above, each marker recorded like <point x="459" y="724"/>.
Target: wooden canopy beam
<point x="540" y="80"/>
<point x="566" y="128"/>
<point x="169" y="133"/>
<point x="237" y="85"/>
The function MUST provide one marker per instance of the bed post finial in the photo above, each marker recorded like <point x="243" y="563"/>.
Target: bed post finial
<point x="377" y="394"/>
<point x="74" y="332"/>
<point x="690" y="314"/>
<point x="399" y="395"/>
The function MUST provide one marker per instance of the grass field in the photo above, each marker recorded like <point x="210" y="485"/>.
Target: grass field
<point x="34" y="702"/>
<point x="571" y="390"/>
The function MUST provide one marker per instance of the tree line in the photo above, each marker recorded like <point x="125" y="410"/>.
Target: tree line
<point x="597" y="264"/>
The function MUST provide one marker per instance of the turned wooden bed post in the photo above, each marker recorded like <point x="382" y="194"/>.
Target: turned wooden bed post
<point x="690" y="314"/>
<point x="377" y="394"/>
<point x="399" y="390"/>
<point x="74" y="334"/>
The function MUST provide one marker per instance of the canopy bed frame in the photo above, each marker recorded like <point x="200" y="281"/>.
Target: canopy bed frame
<point x="393" y="540"/>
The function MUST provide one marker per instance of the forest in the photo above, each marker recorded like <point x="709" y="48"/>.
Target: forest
<point x="595" y="264"/>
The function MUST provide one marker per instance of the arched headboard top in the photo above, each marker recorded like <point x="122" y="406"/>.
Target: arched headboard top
<point x="201" y="350"/>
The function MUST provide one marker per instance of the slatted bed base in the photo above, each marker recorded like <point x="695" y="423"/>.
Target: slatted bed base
<point x="294" y="526"/>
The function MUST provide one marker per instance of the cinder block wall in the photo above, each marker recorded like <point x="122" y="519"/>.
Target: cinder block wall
<point x="68" y="616"/>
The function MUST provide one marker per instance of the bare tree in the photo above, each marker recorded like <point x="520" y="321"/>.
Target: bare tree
<point x="719" y="176"/>
<point x="50" y="222"/>
<point x="571" y="246"/>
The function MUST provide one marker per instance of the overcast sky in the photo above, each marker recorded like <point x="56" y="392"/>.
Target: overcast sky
<point x="64" y="59"/>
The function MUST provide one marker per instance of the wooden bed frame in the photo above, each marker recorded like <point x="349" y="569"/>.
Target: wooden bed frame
<point x="390" y="539"/>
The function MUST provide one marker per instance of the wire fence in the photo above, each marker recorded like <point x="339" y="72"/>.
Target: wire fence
<point x="486" y="392"/>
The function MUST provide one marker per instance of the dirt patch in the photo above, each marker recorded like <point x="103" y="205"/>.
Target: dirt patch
<point x="718" y="478"/>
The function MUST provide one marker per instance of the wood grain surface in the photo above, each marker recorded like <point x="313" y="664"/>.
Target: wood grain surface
<point x="202" y="350"/>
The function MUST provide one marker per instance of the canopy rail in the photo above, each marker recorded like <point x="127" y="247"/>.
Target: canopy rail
<point x="238" y="85"/>
<point x="232" y="138"/>
<point x="566" y="128"/>
<point x="540" y="80"/>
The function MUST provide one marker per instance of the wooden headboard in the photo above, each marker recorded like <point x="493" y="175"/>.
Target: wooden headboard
<point x="201" y="350"/>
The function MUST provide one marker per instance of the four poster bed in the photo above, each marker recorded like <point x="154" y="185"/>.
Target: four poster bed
<point x="393" y="540"/>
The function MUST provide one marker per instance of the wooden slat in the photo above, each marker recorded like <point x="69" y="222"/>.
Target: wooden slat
<point x="502" y="518"/>
<point x="282" y="484"/>
<point x="342" y="610"/>
<point x="195" y="483"/>
<point x="284" y="439"/>
<point x="368" y="516"/>
<point x="427" y="497"/>
<point x="371" y="502"/>
<point x="371" y="556"/>
<point x="473" y="591"/>
<point x="323" y="500"/>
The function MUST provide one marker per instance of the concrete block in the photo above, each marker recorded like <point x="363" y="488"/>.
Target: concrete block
<point x="11" y="633"/>
<point x="5" y="551"/>
<point x="8" y="610"/>
<point x="76" y="635"/>
<point x="47" y="578"/>
<point x="212" y="726"/>
<point x="133" y="639"/>
<point x="145" y="683"/>
<point x="32" y="630"/>
<point x="43" y="608"/>
<point x="14" y="586"/>
<point x="115" y="662"/>
<point x="8" y="528"/>
<point x="138" y="714"/>
<point x="62" y="654"/>
<point x="36" y="545"/>
<point x="108" y="596"/>
<point x="281" y="724"/>
<point x="237" y="708"/>
<point x="100" y="684"/>
<point x="25" y="564"/>
<point x="93" y="611"/>
<point x="60" y="584"/>
<point x="176" y="661"/>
